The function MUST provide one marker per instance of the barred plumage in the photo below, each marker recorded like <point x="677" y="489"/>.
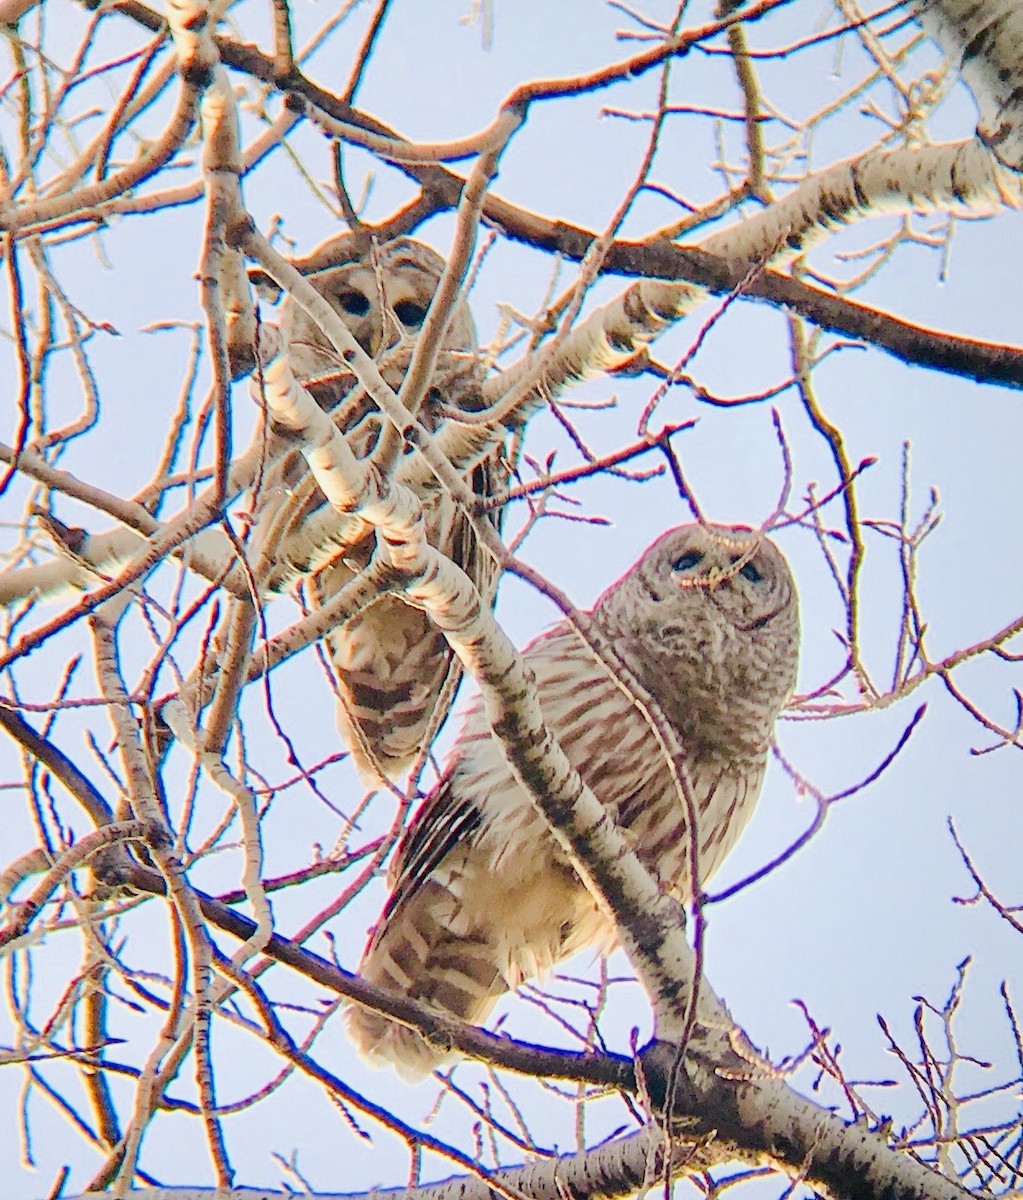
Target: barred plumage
<point x="394" y="671"/>
<point x="482" y="897"/>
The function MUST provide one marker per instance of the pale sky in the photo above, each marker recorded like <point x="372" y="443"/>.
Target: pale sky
<point x="865" y="917"/>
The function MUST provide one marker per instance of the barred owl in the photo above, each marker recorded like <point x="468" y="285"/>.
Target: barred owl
<point x="482" y="897"/>
<point x="394" y="671"/>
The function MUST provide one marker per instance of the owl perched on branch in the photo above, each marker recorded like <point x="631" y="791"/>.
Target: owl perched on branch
<point x="482" y="896"/>
<point x="394" y="672"/>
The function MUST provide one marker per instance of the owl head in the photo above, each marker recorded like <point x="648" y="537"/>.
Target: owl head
<point x="383" y="298"/>
<point x="709" y="621"/>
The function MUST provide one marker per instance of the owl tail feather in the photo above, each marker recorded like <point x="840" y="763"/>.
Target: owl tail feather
<point x="428" y="955"/>
<point x="391" y="666"/>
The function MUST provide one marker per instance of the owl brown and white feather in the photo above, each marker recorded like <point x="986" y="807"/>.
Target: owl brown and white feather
<point x="482" y="896"/>
<point x="394" y="672"/>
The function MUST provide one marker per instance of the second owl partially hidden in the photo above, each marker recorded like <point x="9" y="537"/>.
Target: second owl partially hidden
<point x="482" y="896"/>
<point x="394" y="672"/>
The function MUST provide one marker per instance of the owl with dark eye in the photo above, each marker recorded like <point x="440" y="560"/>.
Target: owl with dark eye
<point x="482" y="895"/>
<point x="394" y="672"/>
<point x="383" y="299"/>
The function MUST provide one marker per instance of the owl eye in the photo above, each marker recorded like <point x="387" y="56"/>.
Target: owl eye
<point x="690" y="559"/>
<point x="354" y="303"/>
<point x="749" y="571"/>
<point x="409" y="313"/>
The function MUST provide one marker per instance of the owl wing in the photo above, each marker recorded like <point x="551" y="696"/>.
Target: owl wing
<point x="442" y="822"/>
<point x="419" y="947"/>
